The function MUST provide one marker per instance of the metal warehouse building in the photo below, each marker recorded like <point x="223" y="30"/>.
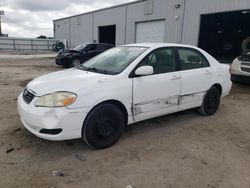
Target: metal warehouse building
<point x="218" y="26"/>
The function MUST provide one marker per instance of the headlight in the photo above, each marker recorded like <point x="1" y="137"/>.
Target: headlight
<point x="235" y="65"/>
<point x="57" y="99"/>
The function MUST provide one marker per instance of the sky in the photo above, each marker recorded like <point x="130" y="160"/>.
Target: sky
<point x="32" y="18"/>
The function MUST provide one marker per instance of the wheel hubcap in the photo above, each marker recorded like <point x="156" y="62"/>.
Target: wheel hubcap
<point x="76" y="62"/>
<point x="105" y="127"/>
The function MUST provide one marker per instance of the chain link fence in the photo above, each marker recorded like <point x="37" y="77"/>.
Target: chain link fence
<point x="26" y="44"/>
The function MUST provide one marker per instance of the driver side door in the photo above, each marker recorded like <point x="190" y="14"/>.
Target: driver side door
<point x="90" y="52"/>
<point x="157" y="94"/>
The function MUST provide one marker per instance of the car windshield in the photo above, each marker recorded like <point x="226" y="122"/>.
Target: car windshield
<point x="113" y="61"/>
<point x="80" y="47"/>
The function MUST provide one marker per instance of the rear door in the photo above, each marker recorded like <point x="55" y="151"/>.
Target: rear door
<point x="196" y="77"/>
<point x="157" y="94"/>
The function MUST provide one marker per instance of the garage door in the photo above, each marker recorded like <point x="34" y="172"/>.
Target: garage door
<point x="221" y="34"/>
<point x="150" y="31"/>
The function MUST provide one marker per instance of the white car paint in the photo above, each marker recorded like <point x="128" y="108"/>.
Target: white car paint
<point x="143" y="97"/>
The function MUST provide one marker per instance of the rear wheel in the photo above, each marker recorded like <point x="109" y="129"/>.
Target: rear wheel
<point x="103" y="126"/>
<point x="211" y="102"/>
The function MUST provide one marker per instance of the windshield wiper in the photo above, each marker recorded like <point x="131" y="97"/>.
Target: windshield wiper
<point x="88" y="68"/>
<point x="94" y="69"/>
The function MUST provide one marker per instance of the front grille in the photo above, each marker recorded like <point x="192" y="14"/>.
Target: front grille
<point x="51" y="131"/>
<point x="245" y="63"/>
<point x="28" y="96"/>
<point x="245" y="57"/>
<point x="244" y="69"/>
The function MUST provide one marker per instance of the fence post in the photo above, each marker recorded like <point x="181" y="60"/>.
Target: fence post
<point x="14" y="44"/>
<point x="48" y="44"/>
<point x="31" y="44"/>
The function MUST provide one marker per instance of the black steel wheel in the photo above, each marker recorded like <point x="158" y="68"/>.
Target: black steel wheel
<point x="103" y="126"/>
<point x="76" y="62"/>
<point x="211" y="102"/>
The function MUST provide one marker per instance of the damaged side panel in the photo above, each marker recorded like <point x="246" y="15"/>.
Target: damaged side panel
<point x="155" y="108"/>
<point x="191" y="100"/>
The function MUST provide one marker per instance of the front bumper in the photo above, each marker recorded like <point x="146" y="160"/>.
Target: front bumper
<point x="240" y="78"/>
<point x="37" y="118"/>
<point x="62" y="60"/>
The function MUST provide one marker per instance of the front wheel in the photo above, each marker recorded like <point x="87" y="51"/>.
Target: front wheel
<point x="76" y="62"/>
<point x="211" y="102"/>
<point x="103" y="126"/>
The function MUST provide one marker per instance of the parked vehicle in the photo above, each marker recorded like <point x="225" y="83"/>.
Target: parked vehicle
<point x="121" y="86"/>
<point x="78" y="55"/>
<point x="240" y="68"/>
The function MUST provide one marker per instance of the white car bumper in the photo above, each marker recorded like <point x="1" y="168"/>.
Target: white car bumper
<point x="57" y="123"/>
<point x="240" y="71"/>
<point x="227" y="86"/>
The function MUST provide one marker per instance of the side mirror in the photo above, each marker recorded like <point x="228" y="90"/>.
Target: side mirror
<point x="144" y="71"/>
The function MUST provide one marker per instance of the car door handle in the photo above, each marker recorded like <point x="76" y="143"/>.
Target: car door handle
<point x="175" y="77"/>
<point x="207" y="72"/>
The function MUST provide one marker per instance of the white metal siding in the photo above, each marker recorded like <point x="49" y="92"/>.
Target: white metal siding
<point x="150" y="31"/>
<point x="115" y="16"/>
<point x="62" y="29"/>
<point x="182" y="24"/>
<point x="194" y="8"/>
<point x="136" y="13"/>
<point x="81" y="30"/>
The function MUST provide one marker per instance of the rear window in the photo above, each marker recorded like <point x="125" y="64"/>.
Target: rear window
<point x="191" y="59"/>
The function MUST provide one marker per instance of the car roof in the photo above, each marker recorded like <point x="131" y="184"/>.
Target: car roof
<point x="102" y="44"/>
<point x="158" y="45"/>
<point x="96" y="43"/>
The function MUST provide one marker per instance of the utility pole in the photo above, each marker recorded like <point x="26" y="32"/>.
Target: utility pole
<point x="1" y="14"/>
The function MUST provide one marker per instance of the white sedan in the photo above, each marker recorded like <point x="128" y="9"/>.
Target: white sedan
<point x="122" y="86"/>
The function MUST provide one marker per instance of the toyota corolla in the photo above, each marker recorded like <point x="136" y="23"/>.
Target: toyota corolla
<point x="122" y="86"/>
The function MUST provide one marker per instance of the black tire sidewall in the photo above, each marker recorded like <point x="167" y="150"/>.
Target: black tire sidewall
<point x="89" y="124"/>
<point x="72" y="64"/>
<point x="208" y="110"/>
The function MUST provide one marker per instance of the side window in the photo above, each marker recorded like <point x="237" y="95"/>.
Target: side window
<point x="191" y="59"/>
<point x="162" y="60"/>
<point x="100" y="47"/>
<point x="91" y="47"/>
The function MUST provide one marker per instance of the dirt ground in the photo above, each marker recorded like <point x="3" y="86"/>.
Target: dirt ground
<point x="174" y="151"/>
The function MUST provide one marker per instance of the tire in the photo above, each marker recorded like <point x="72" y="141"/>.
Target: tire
<point x="76" y="62"/>
<point x="68" y="65"/>
<point x="210" y="102"/>
<point x="103" y="126"/>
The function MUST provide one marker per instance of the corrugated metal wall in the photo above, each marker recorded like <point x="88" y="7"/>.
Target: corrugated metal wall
<point x="182" y="23"/>
<point x="194" y="8"/>
<point x="115" y="16"/>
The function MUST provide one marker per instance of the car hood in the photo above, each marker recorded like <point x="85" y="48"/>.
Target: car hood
<point x="71" y="51"/>
<point x="71" y="80"/>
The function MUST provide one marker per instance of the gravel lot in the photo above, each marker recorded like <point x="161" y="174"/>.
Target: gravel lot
<point x="173" y="151"/>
